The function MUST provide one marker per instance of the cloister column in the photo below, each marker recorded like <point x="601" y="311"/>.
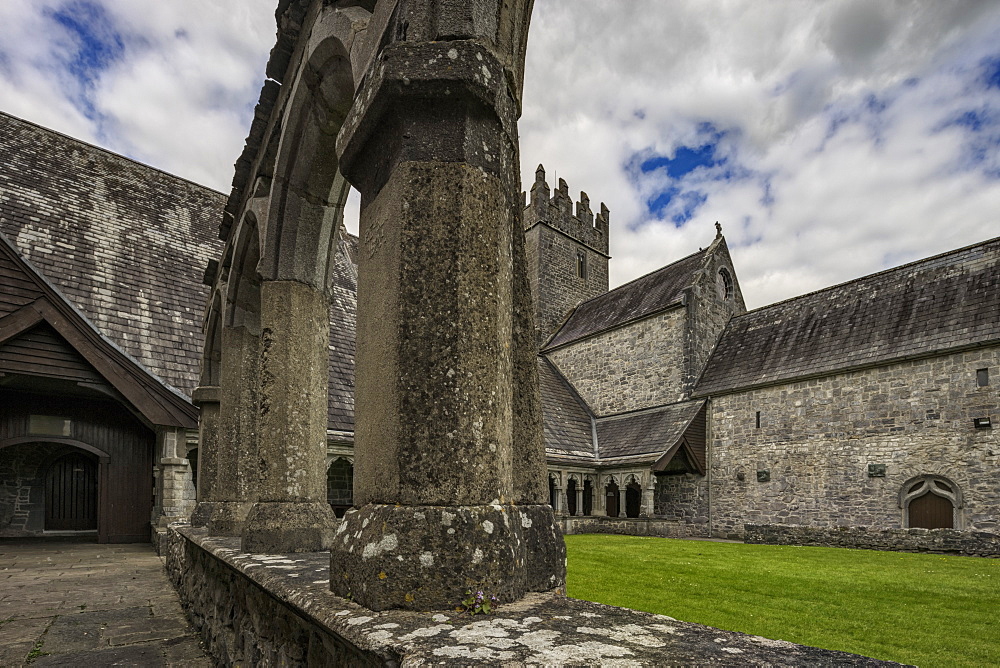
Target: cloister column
<point x="227" y="467"/>
<point x="579" y="499"/>
<point x="447" y="475"/>
<point x="646" y="508"/>
<point x="291" y="513"/>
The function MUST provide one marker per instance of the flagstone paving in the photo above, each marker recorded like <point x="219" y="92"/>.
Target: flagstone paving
<point x="84" y="604"/>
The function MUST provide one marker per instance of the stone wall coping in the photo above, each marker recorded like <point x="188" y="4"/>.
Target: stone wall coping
<point x="963" y="542"/>
<point x="546" y="629"/>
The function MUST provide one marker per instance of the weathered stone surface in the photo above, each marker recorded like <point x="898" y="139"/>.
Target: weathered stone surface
<point x="634" y="526"/>
<point x="255" y="608"/>
<point x="278" y="527"/>
<point x="223" y="518"/>
<point x="935" y="541"/>
<point x="429" y="557"/>
<point x="291" y="514"/>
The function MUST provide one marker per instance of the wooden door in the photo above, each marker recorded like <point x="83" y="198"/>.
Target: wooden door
<point x="931" y="511"/>
<point x="611" y="500"/>
<point x="71" y="494"/>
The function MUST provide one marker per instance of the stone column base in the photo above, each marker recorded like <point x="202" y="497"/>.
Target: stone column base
<point x="428" y="557"/>
<point x="280" y="527"/>
<point x="221" y="518"/>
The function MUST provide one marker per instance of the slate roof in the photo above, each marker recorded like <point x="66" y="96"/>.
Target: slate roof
<point x="343" y="319"/>
<point x="126" y="243"/>
<point x="934" y="305"/>
<point x="639" y="298"/>
<point x="644" y="436"/>
<point x="566" y="420"/>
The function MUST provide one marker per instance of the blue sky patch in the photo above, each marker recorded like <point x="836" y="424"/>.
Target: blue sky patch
<point x="991" y="72"/>
<point x="96" y="45"/>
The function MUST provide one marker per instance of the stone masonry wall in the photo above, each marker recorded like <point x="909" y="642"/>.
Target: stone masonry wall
<point x="709" y="312"/>
<point x="682" y="498"/>
<point x="634" y="526"/>
<point x="632" y="367"/>
<point x="936" y="541"/>
<point x="555" y="287"/>
<point x="817" y="438"/>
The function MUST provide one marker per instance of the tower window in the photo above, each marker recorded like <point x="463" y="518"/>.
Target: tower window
<point x="982" y="377"/>
<point x="724" y="284"/>
<point x="581" y="264"/>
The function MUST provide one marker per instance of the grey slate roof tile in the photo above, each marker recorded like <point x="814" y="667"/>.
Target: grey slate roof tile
<point x="643" y="296"/>
<point x="947" y="301"/>
<point x="103" y="229"/>
<point x="647" y="434"/>
<point x="566" y="420"/>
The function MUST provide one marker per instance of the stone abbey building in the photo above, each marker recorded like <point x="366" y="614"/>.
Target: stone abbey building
<point x="870" y="403"/>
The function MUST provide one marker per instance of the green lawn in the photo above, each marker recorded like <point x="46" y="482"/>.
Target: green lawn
<point x="928" y="610"/>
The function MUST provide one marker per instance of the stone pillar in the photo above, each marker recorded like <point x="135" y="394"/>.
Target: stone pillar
<point x="449" y="472"/>
<point x="646" y="508"/>
<point x="291" y="513"/>
<point x="228" y="464"/>
<point x="174" y="481"/>
<point x="579" y="500"/>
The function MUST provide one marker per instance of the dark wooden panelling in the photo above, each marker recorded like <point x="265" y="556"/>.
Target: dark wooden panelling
<point x="126" y="494"/>
<point x="42" y="352"/>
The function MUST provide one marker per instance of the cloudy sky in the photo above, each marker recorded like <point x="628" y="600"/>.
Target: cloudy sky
<point x="831" y="139"/>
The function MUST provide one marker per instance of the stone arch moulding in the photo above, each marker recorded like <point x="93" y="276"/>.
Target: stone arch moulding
<point x="242" y="292"/>
<point x="308" y="192"/>
<point x="930" y="483"/>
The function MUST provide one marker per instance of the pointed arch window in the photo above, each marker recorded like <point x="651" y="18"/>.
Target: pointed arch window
<point x="930" y="502"/>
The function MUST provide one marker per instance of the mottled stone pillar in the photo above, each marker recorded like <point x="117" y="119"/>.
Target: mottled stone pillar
<point x="206" y="398"/>
<point x="579" y="501"/>
<point x="228" y="464"/>
<point x="449" y="471"/>
<point x="291" y="513"/>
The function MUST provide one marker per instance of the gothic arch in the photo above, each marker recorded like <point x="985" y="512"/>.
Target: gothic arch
<point x="211" y="360"/>
<point x="923" y="488"/>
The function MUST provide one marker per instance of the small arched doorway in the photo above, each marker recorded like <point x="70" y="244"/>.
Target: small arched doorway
<point x="611" y="499"/>
<point x="571" y="496"/>
<point x="71" y="493"/>
<point x="633" y="499"/>
<point x="588" y="497"/>
<point x="930" y="502"/>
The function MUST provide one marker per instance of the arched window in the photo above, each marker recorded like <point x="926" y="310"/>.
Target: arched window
<point x="340" y="486"/>
<point x="588" y="497"/>
<point x="930" y="502"/>
<point x="724" y="284"/>
<point x="581" y="265"/>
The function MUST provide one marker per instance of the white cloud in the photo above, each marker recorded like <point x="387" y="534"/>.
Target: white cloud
<point x="606" y="82"/>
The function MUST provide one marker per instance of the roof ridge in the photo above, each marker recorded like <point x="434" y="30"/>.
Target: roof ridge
<point x="647" y="274"/>
<point x="649" y="409"/>
<point x="865" y="277"/>
<point x="109" y="152"/>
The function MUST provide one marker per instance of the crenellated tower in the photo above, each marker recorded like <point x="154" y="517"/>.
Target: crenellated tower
<point x="567" y="252"/>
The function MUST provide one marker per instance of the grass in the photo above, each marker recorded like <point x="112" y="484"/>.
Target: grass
<point x="928" y="610"/>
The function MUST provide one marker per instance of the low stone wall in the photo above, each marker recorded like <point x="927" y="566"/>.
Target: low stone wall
<point x="936" y="541"/>
<point x="633" y="526"/>
<point x="254" y="609"/>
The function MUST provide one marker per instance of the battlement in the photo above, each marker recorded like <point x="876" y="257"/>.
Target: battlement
<point x="557" y="211"/>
